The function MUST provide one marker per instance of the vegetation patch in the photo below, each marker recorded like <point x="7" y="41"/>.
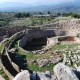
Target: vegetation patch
<point x="3" y="74"/>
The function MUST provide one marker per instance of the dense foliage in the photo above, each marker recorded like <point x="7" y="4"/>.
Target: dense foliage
<point x="72" y="15"/>
<point x="22" y="15"/>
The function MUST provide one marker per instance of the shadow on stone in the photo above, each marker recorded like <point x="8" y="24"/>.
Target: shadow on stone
<point x="77" y="73"/>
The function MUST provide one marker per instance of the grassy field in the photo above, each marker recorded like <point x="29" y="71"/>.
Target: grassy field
<point x="30" y="21"/>
<point x="3" y="74"/>
<point x="64" y="46"/>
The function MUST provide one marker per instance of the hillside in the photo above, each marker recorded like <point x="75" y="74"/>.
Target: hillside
<point x="43" y="8"/>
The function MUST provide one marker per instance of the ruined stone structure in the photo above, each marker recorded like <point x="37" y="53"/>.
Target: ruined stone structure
<point x="61" y="26"/>
<point x="11" y="68"/>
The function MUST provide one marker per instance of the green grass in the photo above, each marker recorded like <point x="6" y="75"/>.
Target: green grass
<point x="34" y="66"/>
<point x="32" y="21"/>
<point x="30" y="56"/>
<point x="22" y="22"/>
<point x="36" y="56"/>
<point x="1" y="48"/>
<point x="3" y="74"/>
<point x="64" y="46"/>
<point x="47" y="67"/>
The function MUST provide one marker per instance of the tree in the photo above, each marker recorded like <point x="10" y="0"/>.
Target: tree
<point x="40" y="13"/>
<point x="48" y="12"/>
<point x="58" y="14"/>
<point x="22" y="15"/>
<point x="27" y="15"/>
<point x="18" y="15"/>
<point x="72" y="15"/>
<point x="75" y="15"/>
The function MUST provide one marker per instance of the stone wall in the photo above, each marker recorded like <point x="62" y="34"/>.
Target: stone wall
<point x="11" y="77"/>
<point x="70" y="25"/>
<point x="24" y="51"/>
<point x="35" y="34"/>
<point x="16" y="67"/>
<point x="7" y="44"/>
<point x="4" y="69"/>
<point x="16" y="36"/>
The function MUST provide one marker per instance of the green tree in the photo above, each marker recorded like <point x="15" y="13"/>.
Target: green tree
<point x="18" y="15"/>
<point x="27" y="15"/>
<point x="72" y="15"/>
<point x="48" y="12"/>
<point x="58" y="14"/>
<point x="40" y="13"/>
<point x="22" y="15"/>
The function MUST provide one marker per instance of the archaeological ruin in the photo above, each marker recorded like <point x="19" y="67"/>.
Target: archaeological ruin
<point x="42" y="53"/>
